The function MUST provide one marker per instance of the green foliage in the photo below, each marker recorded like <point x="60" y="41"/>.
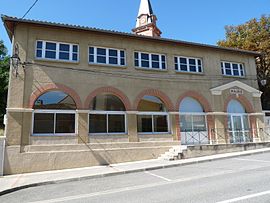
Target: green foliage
<point x="254" y="35"/>
<point x="4" y="75"/>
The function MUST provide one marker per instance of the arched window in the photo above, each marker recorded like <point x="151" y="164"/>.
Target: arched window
<point x="54" y="114"/>
<point x="238" y="123"/>
<point x="152" y="116"/>
<point x="107" y="115"/>
<point x="192" y="122"/>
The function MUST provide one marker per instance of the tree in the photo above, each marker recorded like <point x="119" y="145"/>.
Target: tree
<point x="254" y="35"/>
<point x="4" y="75"/>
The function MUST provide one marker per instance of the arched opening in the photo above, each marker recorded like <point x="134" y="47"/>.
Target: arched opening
<point x="193" y="124"/>
<point x="107" y="115"/>
<point x="238" y="122"/>
<point x="54" y="114"/>
<point x="153" y="116"/>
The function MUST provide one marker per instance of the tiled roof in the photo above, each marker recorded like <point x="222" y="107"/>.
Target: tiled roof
<point x="6" y="19"/>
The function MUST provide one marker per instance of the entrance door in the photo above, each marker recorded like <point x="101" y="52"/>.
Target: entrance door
<point x="238" y="128"/>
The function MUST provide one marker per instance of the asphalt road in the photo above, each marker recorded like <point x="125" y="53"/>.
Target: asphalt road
<point x="244" y="179"/>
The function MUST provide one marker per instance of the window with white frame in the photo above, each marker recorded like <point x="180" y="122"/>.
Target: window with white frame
<point x="107" y="115"/>
<point x="152" y="117"/>
<point x="54" y="114"/>
<point x="148" y="60"/>
<point x="57" y="51"/>
<point x="232" y="69"/>
<point x="110" y="56"/>
<point x="187" y="64"/>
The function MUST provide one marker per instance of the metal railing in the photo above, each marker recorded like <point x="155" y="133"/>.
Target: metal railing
<point x="224" y="136"/>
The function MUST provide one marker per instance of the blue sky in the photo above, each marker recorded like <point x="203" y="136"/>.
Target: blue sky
<point x="200" y="21"/>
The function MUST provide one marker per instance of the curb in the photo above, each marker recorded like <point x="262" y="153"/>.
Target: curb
<point x="8" y="191"/>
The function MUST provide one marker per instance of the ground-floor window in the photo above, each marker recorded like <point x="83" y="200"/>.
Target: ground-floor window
<point x="152" y="123"/>
<point x="53" y="123"/>
<point x="193" y="123"/>
<point x="107" y="122"/>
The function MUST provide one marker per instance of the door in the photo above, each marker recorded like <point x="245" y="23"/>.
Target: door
<point x="238" y="128"/>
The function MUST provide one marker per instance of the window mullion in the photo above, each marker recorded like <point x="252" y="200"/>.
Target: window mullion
<point x="188" y="69"/>
<point x="160" y="61"/>
<point x="54" y="123"/>
<point x="95" y="54"/>
<point x="179" y="65"/>
<point x="140" y="59"/>
<point x="107" y="119"/>
<point x="150" y="60"/>
<point x="57" y="51"/>
<point x="70" y="51"/>
<point x="107" y="56"/>
<point x="43" y="49"/>
<point x="153" y="127"/>
<point x="197" y="65"/>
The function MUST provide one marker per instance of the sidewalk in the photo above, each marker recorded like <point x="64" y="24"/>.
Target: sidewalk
<point x="13" y="183"/>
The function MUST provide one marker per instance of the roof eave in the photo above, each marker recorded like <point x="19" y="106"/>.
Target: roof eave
<point x="6" y="19"/>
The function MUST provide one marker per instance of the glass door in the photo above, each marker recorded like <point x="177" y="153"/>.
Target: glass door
<point x="238" y="128"/>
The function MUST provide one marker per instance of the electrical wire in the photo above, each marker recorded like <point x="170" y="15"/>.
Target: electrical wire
<point x="30" y="9"/>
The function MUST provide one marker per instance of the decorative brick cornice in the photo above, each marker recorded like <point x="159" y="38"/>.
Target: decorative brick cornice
<point x="157" y="93"/>
<point x="43" y="89"/>
<point x="110" y="90"/>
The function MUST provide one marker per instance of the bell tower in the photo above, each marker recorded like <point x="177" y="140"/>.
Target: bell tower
<point x="146" y="23"/>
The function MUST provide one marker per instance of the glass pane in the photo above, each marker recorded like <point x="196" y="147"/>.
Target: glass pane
<point x="163" y="65"/>
<point x="75" y="49"/>
<point x="39" y="54"/>
<point x="163" y="58"/>
<point x="236" y="72"/>
<point x="113" y="60"/>
<point x="144" y="56"/>
<point x="50" y="54"/>
<point x="175" y="60"/>
<point x="122" y="54"/>
<point x="91" y="58"/>
<point x="237" y="123"/>
<point x="199" y="62"/>
<point x="186" y="123"/>
<point x="199" y="123"/>
<point x="43" y="123"/>
<point x="160" y="123"/>
<point x="144" y="123"/>
<point x="75" y="57"/>
<point x="97" y="123"/>
<point x="55" y="100"/>
<point x="65" y="123"/>
<point x="137" y="63"/>
<point x="183" y="60"/>
<point x="64" y="55"/>
<point x="228" y="72"/>
<point x="155" y="57"/>
<point x="91" y="50"/>
<point x="107" y="103"/>
<point x="227" y="65"/>
<point x="101" y="59"/>
<point x="176" y="66"/>
<point x="112" y="52"/>
<point x="116" y="123"/>
<point x="199" y="69"/>
<point x="123" y="62"/>
<point x="145" y="64"/>
<point x="39" y="44"/>
<point x="183" y="67"/>
<point x="192" y="61"/>
<point x="50" y="46"/>
<point x="192" y="68"/>
<point x="64" y="47"/>
<point x="136" y="55"/>
<point x="151" y="104"/>
<point x="245" y="121"/>
<point x="155" y="65"/>
<point x="101" y="51"/>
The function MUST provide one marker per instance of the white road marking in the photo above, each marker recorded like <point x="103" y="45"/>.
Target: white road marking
<point x="246" y="197"/>
<point x="255" y="160"/>
<point x="161" y="177"/>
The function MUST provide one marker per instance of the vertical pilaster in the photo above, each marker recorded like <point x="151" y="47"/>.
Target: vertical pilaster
<point x="83" y="127"/>
<point x="132" y="127"/>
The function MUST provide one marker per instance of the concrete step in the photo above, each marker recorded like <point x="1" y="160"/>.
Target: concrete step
<point x="174" y="153"/>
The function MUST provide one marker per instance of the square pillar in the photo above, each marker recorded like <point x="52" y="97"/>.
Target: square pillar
<point x="132" y="127"/>
<point x="14" y="128"/>
<point x="83" y="126"/>
<point x="174" y="126"/>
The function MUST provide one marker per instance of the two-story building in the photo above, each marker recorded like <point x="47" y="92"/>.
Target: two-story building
<point x="81" y="96"/>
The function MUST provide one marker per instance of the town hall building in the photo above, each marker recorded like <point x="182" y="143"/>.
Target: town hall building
<point x="81" y="96"/>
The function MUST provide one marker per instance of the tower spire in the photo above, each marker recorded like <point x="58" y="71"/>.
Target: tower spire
<point x="146" y="21"/>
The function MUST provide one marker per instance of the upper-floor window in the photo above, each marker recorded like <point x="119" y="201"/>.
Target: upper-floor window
<point x="153" y="61"/>
<point x="57" y="51"/>
<point x="109" y="56"/>
<point x="187" y="64"/>
<point x="232" y="69"/>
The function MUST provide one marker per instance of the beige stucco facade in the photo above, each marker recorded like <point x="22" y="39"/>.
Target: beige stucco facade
<point x="83" y="81"/>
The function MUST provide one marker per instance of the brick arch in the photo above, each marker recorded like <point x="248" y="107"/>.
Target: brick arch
<point x="157" y="93"/>
<point x="243" y="100"/>
<point x="110" y="90"/>
<point x="195" y="95"/>
<point x="50" y="87"/>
